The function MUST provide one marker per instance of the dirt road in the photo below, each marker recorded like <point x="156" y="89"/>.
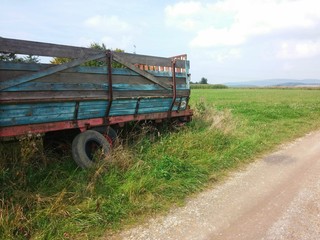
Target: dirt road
<point x="277" y="197"/>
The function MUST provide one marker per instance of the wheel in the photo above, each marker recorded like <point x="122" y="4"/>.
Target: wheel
<point x="85" y="145"/>
<point x="108" y="132"/>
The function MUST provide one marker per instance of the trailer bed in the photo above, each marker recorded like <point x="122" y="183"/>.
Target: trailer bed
<point x="37" y="98"/>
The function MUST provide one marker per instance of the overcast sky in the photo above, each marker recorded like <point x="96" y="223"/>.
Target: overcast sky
<point x="226" y="40"/>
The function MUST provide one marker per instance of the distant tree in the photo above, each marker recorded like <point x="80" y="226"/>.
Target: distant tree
<point x="11" y="57"/>
<point x="93" y="63"/>
<point x="204" y="81"/>
<point x="31" y="59"/>
<point x="59" y="60"/>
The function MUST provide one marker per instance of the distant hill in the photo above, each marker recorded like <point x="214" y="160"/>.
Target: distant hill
<point x="276" y="83"/>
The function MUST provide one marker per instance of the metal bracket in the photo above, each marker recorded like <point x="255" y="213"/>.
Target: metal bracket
<point x="137" y="107"/>
<point x="76" y="111"/>
<point x="174" y="87"/>
<point x="110" y="89"/>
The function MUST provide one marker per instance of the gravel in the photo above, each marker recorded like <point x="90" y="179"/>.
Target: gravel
<point x="276" y="197"/>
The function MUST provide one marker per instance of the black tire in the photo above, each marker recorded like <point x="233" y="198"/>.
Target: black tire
<point x="85" y="144"/>
<point x="108" y="132"/>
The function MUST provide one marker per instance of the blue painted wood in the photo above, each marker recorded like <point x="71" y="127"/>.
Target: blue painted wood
<point x="35" y="119"/>
<point x="20" y="114"/>
<point x="40" y="86"/>
<point x="35" y="113"/>
<point x="83" y="69"/>
<point x="92" y="109"/>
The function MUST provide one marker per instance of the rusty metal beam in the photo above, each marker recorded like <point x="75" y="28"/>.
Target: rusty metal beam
<point x="82" y="124"/>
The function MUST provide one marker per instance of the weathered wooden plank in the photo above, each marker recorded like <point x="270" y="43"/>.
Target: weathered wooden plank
<point x="32" y="76"/>
<point x="125" y="105"/>
<point x="83" y="78"/>
<point x="43" y="49"/>
<point x="40" y="86"/>
<point x="94" y="78"/>
<point x="56" y="50"/>
<point x="146" y="103"/>
<point x="150" y="60"/>
<point x="36" y="119"/>
<point x="79" y="81"/>
<point x="25" y="67"/>
<point x="93" y="104"/>
<point x="46" y="96"/>
<point x="37" y="111"/>
<point x="153" y="110"/>
<point x="52" y="112"/>
<point x="43" y="86"/>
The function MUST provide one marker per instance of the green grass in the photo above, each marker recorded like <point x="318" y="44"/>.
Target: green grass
<point x="48" y="197"/>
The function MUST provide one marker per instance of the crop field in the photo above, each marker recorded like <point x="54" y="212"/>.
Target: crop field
<point x="45" y="196"/>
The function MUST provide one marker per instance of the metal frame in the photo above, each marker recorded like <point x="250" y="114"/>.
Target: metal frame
<point x="174" y="87"/>
<point x="87" y="123"/>
<point x="110" y="89"/>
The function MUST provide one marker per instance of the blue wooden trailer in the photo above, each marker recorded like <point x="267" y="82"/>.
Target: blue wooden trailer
<point x="42" y="98"/>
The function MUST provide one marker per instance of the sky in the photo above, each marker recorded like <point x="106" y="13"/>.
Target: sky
<point x="225" y="40"/>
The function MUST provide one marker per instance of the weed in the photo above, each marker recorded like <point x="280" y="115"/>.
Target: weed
<point x="213" y="118"/>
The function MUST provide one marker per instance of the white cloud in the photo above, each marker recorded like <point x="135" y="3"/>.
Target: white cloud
<point x="183" y="14"/>
<point x="102" y="22"/>
<point x="218" y="37"/>
<point x="299" y="49"/>
<point x="223" y="55"/>
<point x="111" y="30"/>
<point x="183" y="9"/>
<point x="240" y="21"/>
<point x="123" y="42"/>
<point x="287" y="67"/>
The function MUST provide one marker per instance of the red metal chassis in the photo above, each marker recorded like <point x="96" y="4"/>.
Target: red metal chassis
<point x="88" y="123"/>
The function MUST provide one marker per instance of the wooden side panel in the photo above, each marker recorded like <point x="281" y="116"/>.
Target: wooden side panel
<point x="46" y="93"/>
<point x="60" y="96"/>
<point x="35" y="113"/>
<point x="84" y="83"/>
<point x="47" y="86"/>
<point x="20" y="114"/>
<point x="123" y="107"/>
<point x="81" y="78"/>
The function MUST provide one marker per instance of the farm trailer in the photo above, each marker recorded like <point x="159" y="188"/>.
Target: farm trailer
<point x="46" y="98"/>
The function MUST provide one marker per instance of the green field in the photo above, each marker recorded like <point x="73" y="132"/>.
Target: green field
<point x="280" y="114"/>
<point x="47" y="197"/>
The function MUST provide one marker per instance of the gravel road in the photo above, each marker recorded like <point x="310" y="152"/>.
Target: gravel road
<point x="276" y="197"/>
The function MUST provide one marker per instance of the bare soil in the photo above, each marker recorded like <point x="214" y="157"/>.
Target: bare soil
<point x="276" y="197"/>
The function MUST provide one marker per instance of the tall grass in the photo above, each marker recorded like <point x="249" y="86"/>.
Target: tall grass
<point x="45" y="196"/>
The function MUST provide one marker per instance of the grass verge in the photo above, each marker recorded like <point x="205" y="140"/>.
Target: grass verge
<point x="45" y="196"/>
